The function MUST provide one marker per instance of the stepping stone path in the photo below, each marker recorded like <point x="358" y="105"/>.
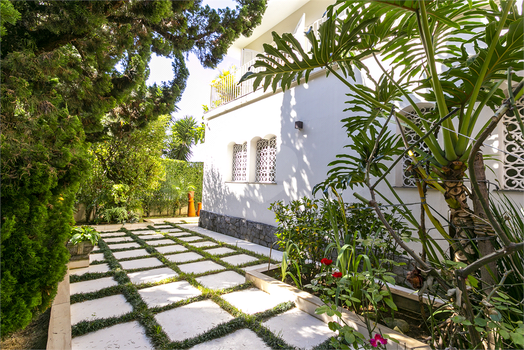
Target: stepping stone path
<point x="189" y="320"/>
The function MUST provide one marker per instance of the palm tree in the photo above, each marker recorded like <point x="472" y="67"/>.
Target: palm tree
<point x="185" y="133"/>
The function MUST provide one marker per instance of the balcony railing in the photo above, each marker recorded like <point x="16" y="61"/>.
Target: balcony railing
<point x="228" y="89"/>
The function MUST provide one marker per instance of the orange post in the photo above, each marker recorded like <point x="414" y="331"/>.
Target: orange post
<point x="199" y="205"/>
<point x="191" y="209"/>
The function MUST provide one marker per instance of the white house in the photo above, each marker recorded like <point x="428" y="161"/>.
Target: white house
<point x="257" y="154"/>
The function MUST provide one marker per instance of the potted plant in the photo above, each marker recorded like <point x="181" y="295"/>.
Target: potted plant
<point x="82" y="242"/>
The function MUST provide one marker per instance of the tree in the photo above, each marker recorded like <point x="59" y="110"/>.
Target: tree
<point x="185" y="133"/>
<point x="75" y="71"/>
<point x="414" y="36"/>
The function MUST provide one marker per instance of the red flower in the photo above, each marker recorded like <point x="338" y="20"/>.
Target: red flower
<point x="337" y="274"/>
<point x="326" y="262"/>
<point x="378" y="339"/>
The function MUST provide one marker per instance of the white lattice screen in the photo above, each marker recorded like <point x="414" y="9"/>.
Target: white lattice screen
<point x="240" y="162"/>
<point x="514" y="166"/>
<point x="412" y="137"/>
<point x="266" y="160"/>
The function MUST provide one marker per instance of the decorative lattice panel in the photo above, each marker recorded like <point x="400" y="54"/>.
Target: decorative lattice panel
<point x="412" y="137"/>
<point x="266" y="160"/>
<point x="240" y="162"/>
<point x="513" y="162"/>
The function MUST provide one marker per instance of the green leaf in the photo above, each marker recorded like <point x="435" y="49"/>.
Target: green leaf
<point x="481" y="322"/>
<point x="390" y="303"/>
<point x="517" y="338"/>
<point x="473" y="281"/>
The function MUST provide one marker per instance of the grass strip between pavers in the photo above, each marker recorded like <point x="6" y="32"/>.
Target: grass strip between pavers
<point x="145" y="315"/>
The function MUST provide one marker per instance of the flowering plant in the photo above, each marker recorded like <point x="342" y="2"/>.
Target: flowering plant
<point x="337" y="274"/>
<point x="377" y="340"/>
<point x="326" y="261"/>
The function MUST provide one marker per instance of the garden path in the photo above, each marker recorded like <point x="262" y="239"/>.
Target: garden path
<point x="181" y="286"/>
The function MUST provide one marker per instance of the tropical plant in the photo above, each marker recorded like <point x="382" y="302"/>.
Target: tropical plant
<point x="458" y="55"/>
<point x="185" y="133"/>
<point x="84" y="233"/>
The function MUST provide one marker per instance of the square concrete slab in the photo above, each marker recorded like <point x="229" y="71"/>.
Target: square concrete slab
<point x="183" y="257"/>
<point x="178" y="234"/>
<point x="253" y="300"/>
<point x="118" y="239"/>
<point x="95" y="248"/>
<point x="96" y="257"/>
<point x="239" y="340"/>
<point x="146" y="237"/>
<point x="112" y="234"/>
<point x="112" y="306"/>
<point x="220" y="251"/>
<point x="171" y="249"/>
<point x="163" y="226"/>
<point x="200" y="267"/>
<point x="299" y="329"/>
<point x="203" y="244"/>
<point x="154" y="275"/>
<point x="204" y="315"/>
<point x="170" y="230"/>
<point x="239" y="259"/>
<point x="140" y="263"/>
<point x="130" y="254"/>
<point x="144" y="232"/>
<point x="259" y="267"/>
<point x="92" y="285"/>
<point x="169" y="293"/>
<point x="222" y="280"/>
<point x="161" y="242"/>
<point x="90" y="269"/>
<point x="190" y="238"/>
<point x="123" y="245"/>
<point x="129" y="335"/>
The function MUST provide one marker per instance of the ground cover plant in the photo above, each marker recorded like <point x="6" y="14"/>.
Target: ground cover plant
<point x="477" y="46"/>
<point x="145" y="315"/>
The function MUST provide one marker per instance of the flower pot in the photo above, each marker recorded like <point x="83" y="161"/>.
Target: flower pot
<point x="80" y="251"/>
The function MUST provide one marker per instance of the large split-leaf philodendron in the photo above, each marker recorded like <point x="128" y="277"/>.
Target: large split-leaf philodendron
<point x="456" y="54"/>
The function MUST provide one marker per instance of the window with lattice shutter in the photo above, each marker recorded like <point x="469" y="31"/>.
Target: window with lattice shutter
<point x="266" y="160"/>
<point x="240" y="162"/>
<point x="513" y="159"/>
<point x="408" y="179"/>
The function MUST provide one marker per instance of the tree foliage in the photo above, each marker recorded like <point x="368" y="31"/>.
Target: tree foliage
<point x="75" y="71"/>
<point x="185" y="133"/>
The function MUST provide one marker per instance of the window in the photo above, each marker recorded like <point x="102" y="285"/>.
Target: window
<point x="412" y="137"/>
<point x="240" y="162"/>
<point x="266" y="160"/>
<point x="513" y="163"/>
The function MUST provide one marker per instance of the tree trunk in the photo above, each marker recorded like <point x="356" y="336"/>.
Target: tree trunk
<point x="482" y="228"/>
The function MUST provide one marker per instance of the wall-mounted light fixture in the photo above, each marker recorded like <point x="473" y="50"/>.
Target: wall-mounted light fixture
<point x="299" y="125"/>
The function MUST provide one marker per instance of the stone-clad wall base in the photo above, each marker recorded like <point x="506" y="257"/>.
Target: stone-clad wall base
<point x="251" y="231"/>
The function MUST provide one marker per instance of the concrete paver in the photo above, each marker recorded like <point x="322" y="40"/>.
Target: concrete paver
<point x="161" y="242"/>
<point x="243" y="339"/>
<point x="144" y="232"/>
<point x="259" y="267"/>
<point x="129" y="335"/>
<point x="204" y="315"/>
<point x="114" y="305"/>
<point x="154" y="275"/>
<point x="183" y="257"/>
<point x="163" y="226"/>
<point x="118" y="239"/>
<point x="203" y="244"/>
<point x="130" y="254"/>
<point x="96" y="257"/>
<point x="123" y="246"/>
<point x="112" y="234"/>
<point x="171" y="249"/>
<point x="171" y="230"/>
<point x="90" y="269"/>
<point x="178" y="234"/>
<point x="168" y="293"/>
<point x="239" y="259"/>
<point x="154" y="236"/>
<point x="190" y="238"/>
<point x="243" y="300"/>
<point x="140" y="263"/>
<point x="200" y="267"/>
<point x="92" y="285"/>
<point x="220" y="251"/>
<point x="299" y="329"/>
<point x="222" y="280"/>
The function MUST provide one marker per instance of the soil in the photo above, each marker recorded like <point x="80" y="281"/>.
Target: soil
<point x="33" y="337"/>
<point x="417" y="326"/>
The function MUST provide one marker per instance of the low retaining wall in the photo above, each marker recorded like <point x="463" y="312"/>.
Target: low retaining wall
<point x="251" y="231"/>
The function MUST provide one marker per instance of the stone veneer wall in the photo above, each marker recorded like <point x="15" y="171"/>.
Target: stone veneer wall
<point x="251" y="231"/>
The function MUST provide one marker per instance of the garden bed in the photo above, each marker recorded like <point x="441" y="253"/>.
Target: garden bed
<point x="309" y="303"/>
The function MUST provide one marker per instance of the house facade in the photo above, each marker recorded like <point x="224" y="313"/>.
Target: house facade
<point x="264" y="147"/>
